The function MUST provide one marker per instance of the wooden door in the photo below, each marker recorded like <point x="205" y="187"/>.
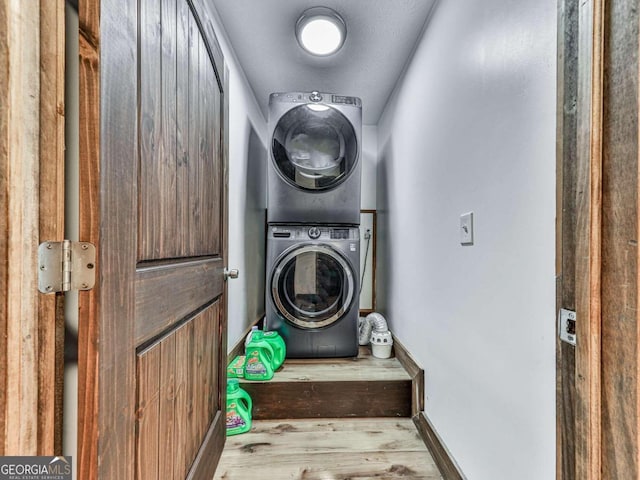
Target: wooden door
<point x="153" y="200"/>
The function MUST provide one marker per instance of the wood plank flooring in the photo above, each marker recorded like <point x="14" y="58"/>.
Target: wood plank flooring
<point x="328" y="449"/>
<point x="363" y="368"/>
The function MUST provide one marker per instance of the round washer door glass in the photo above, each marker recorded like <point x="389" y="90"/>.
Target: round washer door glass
<point x="312" y="286"/>
<point x="314" y="147"/>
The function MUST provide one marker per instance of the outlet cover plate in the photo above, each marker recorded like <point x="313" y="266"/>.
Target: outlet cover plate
<point x="567" y="326"/>
<point x="466" y="228"/>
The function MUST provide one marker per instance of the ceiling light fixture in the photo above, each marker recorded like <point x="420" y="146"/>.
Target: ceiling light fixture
<point x="321" y="31"/>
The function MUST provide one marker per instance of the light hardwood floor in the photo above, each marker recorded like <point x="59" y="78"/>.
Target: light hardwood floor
<point x="331" y="449"/>
<point x="365" y="367"/>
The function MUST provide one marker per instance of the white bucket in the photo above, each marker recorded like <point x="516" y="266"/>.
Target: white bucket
<point x="381" y="343"/>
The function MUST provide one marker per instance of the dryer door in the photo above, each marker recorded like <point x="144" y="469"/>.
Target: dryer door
<point x="314" y="147"/>
<point x="312" y="286"/>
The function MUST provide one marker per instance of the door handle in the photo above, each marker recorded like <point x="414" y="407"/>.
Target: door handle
<point x="231" y="273"/>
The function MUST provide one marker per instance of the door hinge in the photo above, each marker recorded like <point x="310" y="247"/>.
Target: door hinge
<point x="66" y="265"/>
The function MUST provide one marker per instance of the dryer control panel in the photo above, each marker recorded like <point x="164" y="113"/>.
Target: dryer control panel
<point x="314" y="97"/>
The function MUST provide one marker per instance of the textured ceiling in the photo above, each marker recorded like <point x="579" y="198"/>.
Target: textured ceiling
<point x="381" y="35"/>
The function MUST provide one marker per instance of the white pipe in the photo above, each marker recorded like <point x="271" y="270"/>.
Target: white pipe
<point x="378" y="322"/>
<point x="374" y="329"/>
<point x="364" y="328"/>
<point x="374" y="321"/>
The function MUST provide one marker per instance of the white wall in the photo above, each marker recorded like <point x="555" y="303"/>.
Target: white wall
<point x="472" y="128"/>
<point x="368" y="201"/>
<point x="369" y="160"/>
<point x="247" y="196"/>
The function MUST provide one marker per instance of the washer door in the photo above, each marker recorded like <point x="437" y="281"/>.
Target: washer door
<point x="314" y="147"/>
<point x="312" y="286"/>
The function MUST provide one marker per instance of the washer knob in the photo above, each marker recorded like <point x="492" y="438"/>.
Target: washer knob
<point x="315" y="96"/>
<point x="314" y="232"/>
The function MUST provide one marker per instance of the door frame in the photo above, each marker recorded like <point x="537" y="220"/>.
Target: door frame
<point x="598" y="227"/>
<point x="578" y="236"/>
<point x="32" y="198"/>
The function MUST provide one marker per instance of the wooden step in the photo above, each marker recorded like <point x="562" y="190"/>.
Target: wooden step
<point x="320" y="449"/>
<point x="333" y="388"/>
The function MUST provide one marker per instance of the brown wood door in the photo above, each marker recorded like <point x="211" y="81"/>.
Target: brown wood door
<point x="153" y="189"/>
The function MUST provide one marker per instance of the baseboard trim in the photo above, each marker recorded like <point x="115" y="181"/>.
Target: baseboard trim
<point x="238" y="348"/>
<point x="445" y="462"/>
<point x="415" y="372"/>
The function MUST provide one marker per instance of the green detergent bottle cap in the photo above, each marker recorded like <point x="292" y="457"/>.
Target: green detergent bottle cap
<point x="233" y="384"/>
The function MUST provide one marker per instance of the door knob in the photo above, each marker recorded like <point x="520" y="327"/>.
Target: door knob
<point x="231" y="273"/>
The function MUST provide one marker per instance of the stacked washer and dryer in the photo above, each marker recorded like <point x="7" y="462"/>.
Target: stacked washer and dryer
<point x="313" y="216"/>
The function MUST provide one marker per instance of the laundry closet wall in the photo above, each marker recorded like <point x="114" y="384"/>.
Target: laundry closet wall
<point x="247" y="195"/>
<point x="369" y="159"/>
<point x="471" y="127"/>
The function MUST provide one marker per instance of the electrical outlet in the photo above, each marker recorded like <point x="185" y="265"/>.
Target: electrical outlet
<point x="466" y="228"/>
<point x="567" y="326"/>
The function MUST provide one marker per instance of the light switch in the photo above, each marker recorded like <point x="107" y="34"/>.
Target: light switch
<point x="466" y="228"/>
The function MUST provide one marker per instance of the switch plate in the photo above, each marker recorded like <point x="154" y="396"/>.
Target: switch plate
<point x="567" y="326"/>
<point x="466" y="228"/>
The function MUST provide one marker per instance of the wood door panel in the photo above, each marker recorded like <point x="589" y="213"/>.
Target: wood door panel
<point x="183" y="42"/>
<point x="168" y="293"/>
<point x="207" y="459"/>
<point x="151" y="163"/>
<point x="176" y="368"/>
<point x="163" y="194"/>
<point x="180" y="117"/>
<point x="209" y="180"/>
<point x="168" y="363"/>
<point x="193" y="137"/>
<point x="148" y="414"/>
<point x="183" y="409"/>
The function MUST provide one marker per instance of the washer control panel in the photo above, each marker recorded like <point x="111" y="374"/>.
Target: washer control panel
<point x="314" y="232"/>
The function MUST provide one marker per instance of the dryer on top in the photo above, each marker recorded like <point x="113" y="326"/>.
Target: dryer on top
<point x="314" y="166"/>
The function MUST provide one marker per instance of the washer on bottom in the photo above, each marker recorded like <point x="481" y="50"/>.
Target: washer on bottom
<point x="312" y="283"/>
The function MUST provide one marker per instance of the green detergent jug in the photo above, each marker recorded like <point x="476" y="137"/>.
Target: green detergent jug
<point x="236" y="368"/>
<point x="277" y="344"/>
<point x="239" y="406"/>
<point x="259" y="360"/>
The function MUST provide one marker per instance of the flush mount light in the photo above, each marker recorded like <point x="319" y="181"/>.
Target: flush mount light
<point x="320" y="31"/>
